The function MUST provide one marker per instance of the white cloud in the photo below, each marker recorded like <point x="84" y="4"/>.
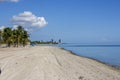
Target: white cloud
<point x="28" y="19"/>
<point x="2" y="27"/>
<point x="14" y="0"/>
<point x="9" y="0"/>
<point x="14" y="27"/>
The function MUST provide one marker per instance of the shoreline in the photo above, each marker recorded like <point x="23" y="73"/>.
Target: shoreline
<point x="107" y="64"/>
<point x="73" y="53"/>
<point x="51" y="63"/>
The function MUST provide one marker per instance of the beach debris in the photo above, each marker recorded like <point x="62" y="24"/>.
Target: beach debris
<point x="81" y="77"/>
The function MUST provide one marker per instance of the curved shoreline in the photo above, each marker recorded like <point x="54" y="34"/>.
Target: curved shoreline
<point x="51" y="63"/>
<point x="110" y="65"/>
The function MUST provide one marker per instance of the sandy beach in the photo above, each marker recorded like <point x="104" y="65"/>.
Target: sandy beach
<point x="51" y="63"/>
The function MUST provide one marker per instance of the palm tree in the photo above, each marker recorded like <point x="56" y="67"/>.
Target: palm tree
<point x="20" y="36"/>
<point x="7" y="36"/>
<point x="17" y="33"/>
<point x="0" y="37"/>
<point x="17" y="37"/>
<point x="25" y="37"/>
<point x="14" y="38"/>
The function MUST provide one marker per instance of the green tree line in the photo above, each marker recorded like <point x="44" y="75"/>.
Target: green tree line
<point x="14" y="37"/>
<point x="47" y="42"/>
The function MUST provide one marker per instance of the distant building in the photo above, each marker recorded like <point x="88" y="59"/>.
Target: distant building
<point x="59" y="41"/>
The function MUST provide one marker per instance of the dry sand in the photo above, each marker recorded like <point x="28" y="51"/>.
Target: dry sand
<point x="51" y="63"/>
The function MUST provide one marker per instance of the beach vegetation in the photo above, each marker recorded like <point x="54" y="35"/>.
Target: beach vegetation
<point x="52" y="41"/>
<point x="14" y="37"/>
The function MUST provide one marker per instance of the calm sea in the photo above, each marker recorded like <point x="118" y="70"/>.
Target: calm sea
<point x="109" y="54"/>
<point x="106" y="53"/>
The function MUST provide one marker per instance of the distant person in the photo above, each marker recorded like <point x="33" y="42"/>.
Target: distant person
<point x="0" y="71"/>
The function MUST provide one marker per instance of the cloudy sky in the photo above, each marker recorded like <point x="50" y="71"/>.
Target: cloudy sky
<point x="79" y="21"/>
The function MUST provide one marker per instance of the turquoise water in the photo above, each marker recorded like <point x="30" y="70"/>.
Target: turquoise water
<point x="109" y="54"/>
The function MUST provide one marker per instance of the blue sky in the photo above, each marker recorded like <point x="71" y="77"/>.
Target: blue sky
<point x="79" y="21"/>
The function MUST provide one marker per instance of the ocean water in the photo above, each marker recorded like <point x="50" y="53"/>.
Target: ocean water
<point x="109" y="54"/>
